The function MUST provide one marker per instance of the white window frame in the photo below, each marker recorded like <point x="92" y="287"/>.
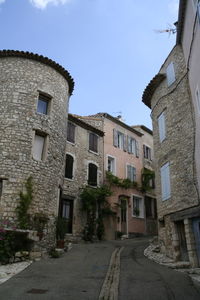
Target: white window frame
<point x="165" y="181"/>
<point x="128" y="164"/>
<point x="114" y="163"/>
<point x="147" y="152"/>
<point x="162" y="126"/>
<point x="120" y="140"/>
<point x="170" y="72"/>
<point x="197" y="94"/>
<point x="141" y="206"/>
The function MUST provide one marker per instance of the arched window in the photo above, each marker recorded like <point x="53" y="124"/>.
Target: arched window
<point x="69" y="166"/>
<point x="92" y="174"/>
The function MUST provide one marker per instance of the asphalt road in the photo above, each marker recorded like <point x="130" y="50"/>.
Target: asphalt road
<point x="142" y="279"/>
<point x="80" y="273"/>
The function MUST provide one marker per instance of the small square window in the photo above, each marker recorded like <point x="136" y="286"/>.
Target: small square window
<point x="43" y="104"/>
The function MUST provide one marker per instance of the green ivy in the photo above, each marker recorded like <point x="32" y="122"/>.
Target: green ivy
<point x="94" y="202"/>
<point x="24" y="204"/>
<point x="124" y="183"/>
<point x="147" y="175"/>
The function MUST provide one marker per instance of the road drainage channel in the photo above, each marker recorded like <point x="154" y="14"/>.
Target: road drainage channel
<point x="110" y="286"/>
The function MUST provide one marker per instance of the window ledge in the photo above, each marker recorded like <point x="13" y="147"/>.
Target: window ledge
<point x="137" y="217"/>
<point x="69" y="179"/>
<point x="71" y="143"/>
<point x="96" y="153"/>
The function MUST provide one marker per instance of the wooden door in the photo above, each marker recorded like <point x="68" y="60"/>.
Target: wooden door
<point x="182" y="240"/>
<point x="196" y="230"/>
<point x="123" y="216"/>
<point x="67" y="213"/>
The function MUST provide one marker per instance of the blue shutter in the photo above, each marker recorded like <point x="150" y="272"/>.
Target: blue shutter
<point x="165" y="182"/>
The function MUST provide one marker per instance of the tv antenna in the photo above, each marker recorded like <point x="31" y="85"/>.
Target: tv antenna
<point x="170" y="30"/>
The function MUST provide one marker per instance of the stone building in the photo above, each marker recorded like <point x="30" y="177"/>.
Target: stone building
<point x="168" y="95"/>
<point x="34" y="95"/>
<point x="123" y="158"/>
<point x="83" y="167"/>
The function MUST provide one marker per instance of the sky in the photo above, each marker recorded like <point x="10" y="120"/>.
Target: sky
<point x="110" y="47"/>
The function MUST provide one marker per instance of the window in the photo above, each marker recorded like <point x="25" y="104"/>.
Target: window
<point x="92" y="174"/>
<point x="131" y="145"/>
<point x="43" y="104"/>
<point x="69" y="166"/>
<point x="131" y="173"/>
<point x="138" y="210"/>
<point x="71" y="132"/>
<point x="39" y="146"/>
<point x="111" y="164"/>
<point x="161" y="126"/>
<point x="93" y="142"/>
<point x="198" y="99"/>
<point x="165" y="181"/>
<point x="170" y="74"/>
<point x="119" y="139"/>
<point x="147" y="152"/>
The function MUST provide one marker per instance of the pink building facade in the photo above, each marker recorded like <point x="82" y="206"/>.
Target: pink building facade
<point x="124" y="159"/>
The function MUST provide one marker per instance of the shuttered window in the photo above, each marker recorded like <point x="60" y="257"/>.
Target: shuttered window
<point x="92" y="174"/>
<point x="147" y="152"/>
<point x="93" y="142"/>
<point x="120" y="140"/>
<point x="131" y="145"/>
<point x="170" y="74"/>
<point x="165" y="181"/>
<point x="162" y="126"/>
<point x="39" y="146"/>
<point x="71" y="132"/>
<point x="131" y="173"/>
<point x="69" y="166"/>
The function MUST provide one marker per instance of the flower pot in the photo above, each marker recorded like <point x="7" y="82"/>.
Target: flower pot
<point x="60" y="244"/>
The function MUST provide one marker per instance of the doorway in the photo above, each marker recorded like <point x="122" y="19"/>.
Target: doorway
<point x="196" y="230"/>
<point x="182" y="240"/>
<point x="123" y="202"/>
<point x="66" y="211"/>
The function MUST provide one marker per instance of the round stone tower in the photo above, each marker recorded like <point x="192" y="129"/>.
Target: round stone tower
<point x="34" y="95"/>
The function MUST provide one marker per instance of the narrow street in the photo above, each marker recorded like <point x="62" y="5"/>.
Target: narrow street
<point x="80" y="274"/>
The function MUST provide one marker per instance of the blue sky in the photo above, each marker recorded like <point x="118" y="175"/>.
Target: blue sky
<point x="109" y="47"/>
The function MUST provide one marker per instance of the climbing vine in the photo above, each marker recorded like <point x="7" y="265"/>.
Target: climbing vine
<point x="24" y="204"/>
<point x="96" y="206"/>
<point x="124" y="183"/>
<point x="148" y="177"/>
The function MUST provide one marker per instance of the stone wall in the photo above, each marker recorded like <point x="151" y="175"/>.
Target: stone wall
<point x="177" y="148"/>
<point x="21" y="80"/>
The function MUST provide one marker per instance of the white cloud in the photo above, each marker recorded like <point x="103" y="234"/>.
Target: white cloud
<point x="2" y="1"/>
<point x="173" y="7"/>
<point x="42" y="4"/>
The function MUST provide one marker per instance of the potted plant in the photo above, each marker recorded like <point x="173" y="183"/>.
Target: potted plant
<point x="61" y="230"/>
<point x="39" y="221"/>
